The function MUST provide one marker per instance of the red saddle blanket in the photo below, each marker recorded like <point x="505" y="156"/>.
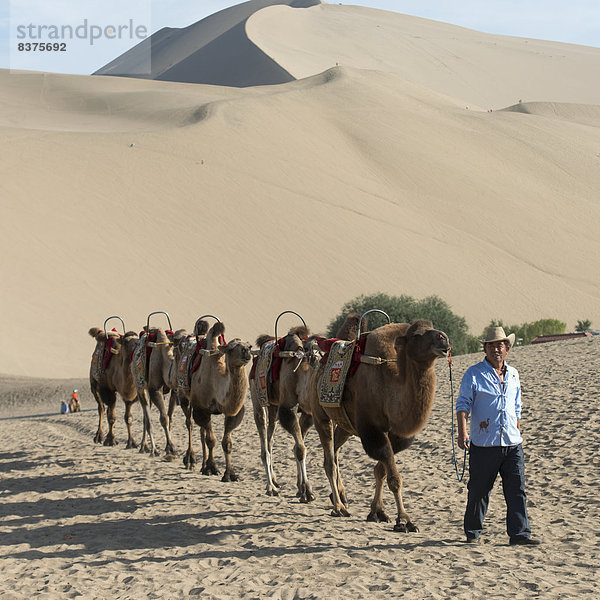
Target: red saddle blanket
<point x="325" y="346"/>
<point x="109" y="343"/>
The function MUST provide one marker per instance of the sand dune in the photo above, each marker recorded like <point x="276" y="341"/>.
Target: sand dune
<point x="479" y="69"/>
<point x="215" y="50"/>
<point x="126" y="196"/>
<point x="85" y="521"/>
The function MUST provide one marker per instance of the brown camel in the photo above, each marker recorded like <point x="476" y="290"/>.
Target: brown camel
<point x="386" y="405"/>
<point x="219" y="386"/>
<point x="281" y="402"/>
<point x="108" y="380"/>
<point x="152" y="383"/>
<point x="186" y="351"/>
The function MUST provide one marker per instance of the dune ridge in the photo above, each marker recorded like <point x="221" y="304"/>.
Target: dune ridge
<point x="215" y="50"/>
<point x="125" y="196"/>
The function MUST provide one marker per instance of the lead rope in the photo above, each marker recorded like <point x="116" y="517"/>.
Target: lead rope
<point x="454" y="459"/>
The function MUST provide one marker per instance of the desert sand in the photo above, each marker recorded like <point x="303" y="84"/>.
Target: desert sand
<point x="124" y="196"/>
<point x="81" y="520"/>
<point x="390" y="154"/>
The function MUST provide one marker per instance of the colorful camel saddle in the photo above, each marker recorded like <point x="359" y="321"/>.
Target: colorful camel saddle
<point x="189" y="362"/>
<point x="336" y="370"/>
<point x="139" y="360"/>
<point x="102" y="355"/>
<point x="263" y="379"/>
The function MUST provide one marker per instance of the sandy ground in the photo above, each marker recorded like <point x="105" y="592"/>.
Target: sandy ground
<point x="127" y="196"/>
<point x="80" y="520"/>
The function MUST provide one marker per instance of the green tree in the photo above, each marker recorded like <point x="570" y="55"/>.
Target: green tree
<point x="528" y="331"/>
<point x="405" y="309"/>
<point x="583" y="325"/>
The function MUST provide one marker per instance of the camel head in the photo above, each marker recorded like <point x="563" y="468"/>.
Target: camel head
<point x="237" y="353"/>
<point x="201" y="328"/>
<point x="312" y="351"/>
<point x="294" y="338"/>
<point x="422" y="343"/>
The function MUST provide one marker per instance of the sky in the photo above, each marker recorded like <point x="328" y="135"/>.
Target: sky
<point x="87" y="34"/>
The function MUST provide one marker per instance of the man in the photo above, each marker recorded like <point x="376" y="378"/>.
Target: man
<point x="490" y="392"/>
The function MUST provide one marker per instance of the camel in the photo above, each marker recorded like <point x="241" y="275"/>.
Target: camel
<point x="116" y="378"/>
<point x="152" y="384"/>
<point x="219" y="386"/>
<point x="282" y="400"/>
<point x="386" y="405"/>
<point x="181" y="394"/>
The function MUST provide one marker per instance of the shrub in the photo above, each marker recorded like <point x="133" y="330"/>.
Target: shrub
<point x="583" y="325"/>
<point x="405" y="309"/>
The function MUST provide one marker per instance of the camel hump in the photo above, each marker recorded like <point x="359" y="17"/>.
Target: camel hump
<point x="263" y="339"/>
<point x="218" y="328"/>
<point x="301" y="331"/>
<point x="349" y="328"/>
<point x="95" y="332"/>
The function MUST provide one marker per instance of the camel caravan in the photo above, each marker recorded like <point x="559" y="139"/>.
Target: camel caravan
<point x="378" y="385"/>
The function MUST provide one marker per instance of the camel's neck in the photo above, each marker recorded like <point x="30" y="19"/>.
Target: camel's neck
<point x="415" y="397"/>
<point x="236" y="390"/>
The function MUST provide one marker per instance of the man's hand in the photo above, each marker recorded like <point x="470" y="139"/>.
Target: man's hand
<point x="463" y="437"/>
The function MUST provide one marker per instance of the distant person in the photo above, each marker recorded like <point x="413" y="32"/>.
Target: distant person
<point x="490" y="392"/>
<point x="74" y="405"/>
<point x="64" y="407"/>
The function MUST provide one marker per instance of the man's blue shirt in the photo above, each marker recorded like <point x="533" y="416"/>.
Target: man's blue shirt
<point x="494" y="406"/>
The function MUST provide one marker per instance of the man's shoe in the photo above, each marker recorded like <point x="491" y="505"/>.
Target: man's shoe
<point x="524" y="541"/>
<point x="473" y="540"/>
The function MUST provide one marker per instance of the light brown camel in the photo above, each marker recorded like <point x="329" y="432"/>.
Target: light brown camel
<point x="180" y="394"/>
<point x="116" y="378"/>
<point x="386" y="406"/>
<point x="219" y="386"/>
<point x="153" y="383"/>
<point x="282" y="400"/>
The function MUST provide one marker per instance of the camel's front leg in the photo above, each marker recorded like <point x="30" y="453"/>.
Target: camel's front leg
<point x="158" y="400"/>
<point x="260" y="418"/>
<point x="231" y="422"/>
<point x="189" y="458"/>
<point x="324" y="428"/>
<point x="109" y="399"/>
<point x="377" y="445"/>
<point x="340" y="437"/>
<point x="203" y="420"/>
<point x="129" y="423"/>
<point x="99" y="437"/>
<point x="289" y="422"/>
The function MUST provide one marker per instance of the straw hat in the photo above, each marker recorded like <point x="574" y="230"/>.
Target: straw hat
<point x="496" y="334"/>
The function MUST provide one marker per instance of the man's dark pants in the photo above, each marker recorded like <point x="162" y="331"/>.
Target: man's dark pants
<point x="484" y="466"/>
